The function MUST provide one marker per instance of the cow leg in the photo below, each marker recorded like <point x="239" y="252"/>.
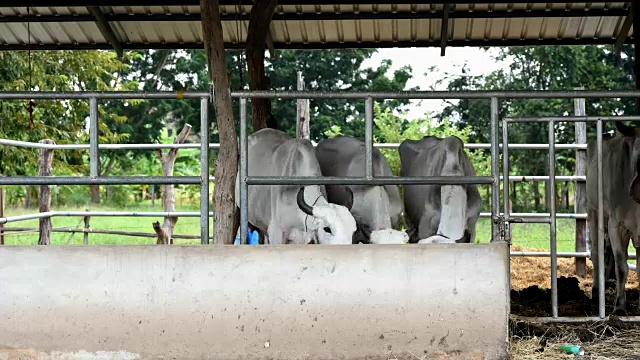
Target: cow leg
<point x="275" y="233"/>
<point x="618" y="236"/>
<point x="412" y="231"/>
<point x="593" y="230"/>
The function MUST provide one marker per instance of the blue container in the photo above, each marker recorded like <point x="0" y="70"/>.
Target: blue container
<point x="253" y="238"/>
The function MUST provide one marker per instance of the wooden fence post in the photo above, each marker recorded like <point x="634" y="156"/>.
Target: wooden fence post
<point x="302" y="128"/>
<point x="45" y="169"/>
<point x="168" y="160"/>
<point x="1" y="215"/>
<point x="87" y="226"/>
<point x="580" y="204"/>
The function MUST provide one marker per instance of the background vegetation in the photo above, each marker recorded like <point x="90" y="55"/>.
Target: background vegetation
<point x="540" y="68"/>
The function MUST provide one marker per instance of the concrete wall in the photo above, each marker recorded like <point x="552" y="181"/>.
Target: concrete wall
<point x="246" y="302"/>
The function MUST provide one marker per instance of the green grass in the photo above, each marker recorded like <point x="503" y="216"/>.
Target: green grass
<point x="528" y="235"/>
<point x="535" y="235"/>
<point x="184" y="226"/>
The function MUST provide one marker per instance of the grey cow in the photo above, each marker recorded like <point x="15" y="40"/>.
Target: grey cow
<point x="621" y="199"/>
<point x="290" y="213"/>
<point x="376" y="208"/>
<point x="439" y="213"/>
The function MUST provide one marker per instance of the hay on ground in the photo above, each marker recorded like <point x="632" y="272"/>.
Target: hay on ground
<point x="605" y="340"/>
<point x="530" y="271"/>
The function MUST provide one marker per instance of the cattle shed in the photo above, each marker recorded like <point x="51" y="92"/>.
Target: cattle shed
<point x="292" y="301"/>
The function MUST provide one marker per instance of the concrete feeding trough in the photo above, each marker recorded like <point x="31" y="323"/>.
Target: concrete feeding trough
<point x="254" y="302"/>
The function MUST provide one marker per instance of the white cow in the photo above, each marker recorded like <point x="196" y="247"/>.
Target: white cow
<point x="290" y="213"/>
<point x="621" y="198"/>
<point x="439" y="213"/>
<point x="376" y="208"/>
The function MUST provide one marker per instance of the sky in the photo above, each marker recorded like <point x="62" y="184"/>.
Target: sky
<point x="479" y="62"/>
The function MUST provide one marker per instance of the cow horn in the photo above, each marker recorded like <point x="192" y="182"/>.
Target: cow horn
<point x="302" y="204"/>
<point x="349" y="202"/>
<point x="625" y="130"/>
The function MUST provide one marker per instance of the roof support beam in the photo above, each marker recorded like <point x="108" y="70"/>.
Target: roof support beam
<point x="64" y="3"/>
<point x="444" y="29"/>
<point x="105" y="29"/>
<point x="382" y="15"/>
<point x="624" y="31"/>
<point x="327" y="45"/>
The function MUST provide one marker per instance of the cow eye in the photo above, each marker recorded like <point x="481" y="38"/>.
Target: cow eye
<point x="327" y="229"/>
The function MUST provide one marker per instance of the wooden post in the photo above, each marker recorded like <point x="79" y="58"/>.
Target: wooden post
<point x="168" y="161"/>
<point x="302" y="128"/>
<point x="257" y="34"/>
<point x="227" y="160"/>
<point x="580" y="205"/>
<point x="1" y="215"/>
<point x="87" y="226"/>
<point x="45" y="169"/>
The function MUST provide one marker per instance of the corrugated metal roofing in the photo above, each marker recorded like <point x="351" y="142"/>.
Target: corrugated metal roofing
<point x="319" y="26"/>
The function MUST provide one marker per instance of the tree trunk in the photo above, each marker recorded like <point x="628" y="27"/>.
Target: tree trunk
<point x="302" y="127"/>
<point x="259" y="22"/>
<point x="27" y="197"/>
<point x="95" y="194"/>
<point x="536" y="195"/>
<point x="46" y="159"/>
<point x="227" y="160"/>
<point x="168" y="160"/>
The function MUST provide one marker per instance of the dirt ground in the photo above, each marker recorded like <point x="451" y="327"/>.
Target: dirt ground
<point x="531" y="296"/>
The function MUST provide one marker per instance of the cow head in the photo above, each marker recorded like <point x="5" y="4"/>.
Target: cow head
<point x="634" y="133"/>
<point x="333" y="223"/>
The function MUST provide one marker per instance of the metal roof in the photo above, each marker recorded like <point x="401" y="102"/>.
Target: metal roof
<point x="156" y="24"/>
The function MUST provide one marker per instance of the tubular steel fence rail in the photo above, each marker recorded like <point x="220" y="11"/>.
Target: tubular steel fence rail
<point x="500" y="220"/>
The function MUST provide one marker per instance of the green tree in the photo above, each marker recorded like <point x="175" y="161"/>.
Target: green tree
<point x="61" y="121"/>
<point x="543" y="68"/>
<point x="333" y="70"/>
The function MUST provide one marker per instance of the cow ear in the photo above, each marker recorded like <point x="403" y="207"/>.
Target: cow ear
<point x="349" y="202"/>
<point x="625" y="130"/>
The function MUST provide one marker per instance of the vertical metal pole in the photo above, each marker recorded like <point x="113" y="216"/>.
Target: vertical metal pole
<point x="244" y="173"/>
<point x="368" y="137"/>
<point x="204" y="171"/>
<point x="94" y="140"/>
<point x="505" y="182"/>
<point x="1" y="215"/>
<point x="600" y="235"/>
<point x="552" y="215"/>
<point x="580" y="204"/>
<point x="495" y="171"/>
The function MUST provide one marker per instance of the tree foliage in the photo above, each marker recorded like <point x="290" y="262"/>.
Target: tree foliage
<point x="61" y="121"/>
<point x="543" y="68"/>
